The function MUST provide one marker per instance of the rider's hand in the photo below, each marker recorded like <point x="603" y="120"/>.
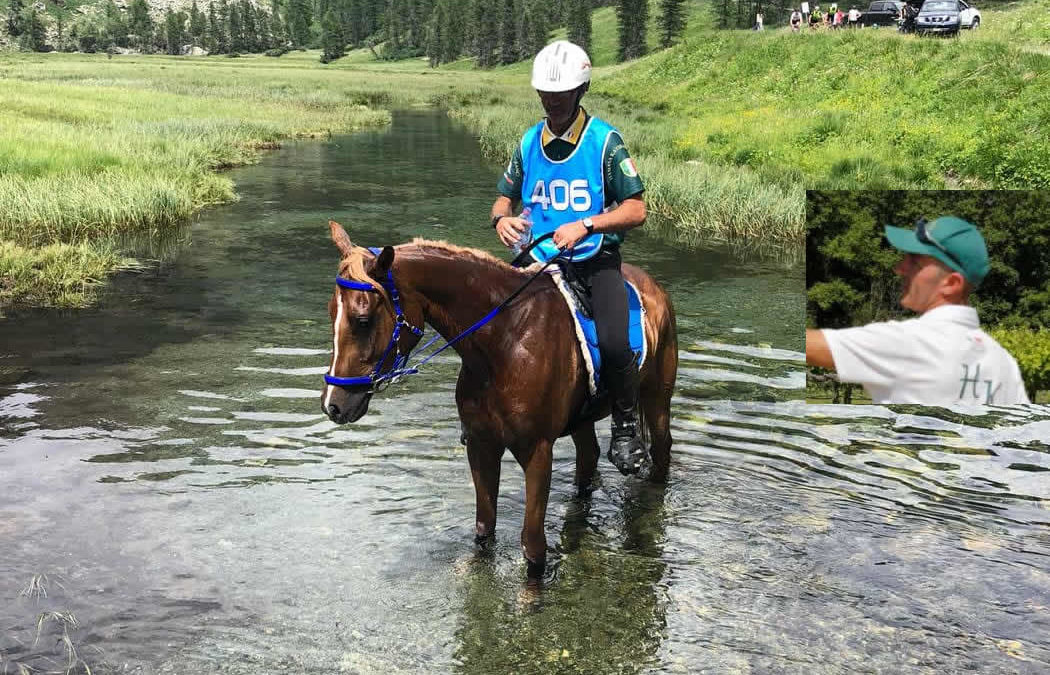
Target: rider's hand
<point x="510" y="228"/>
<point x="569" y="234"/>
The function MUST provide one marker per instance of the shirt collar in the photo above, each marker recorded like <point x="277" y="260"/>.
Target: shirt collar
<point x="571" y="135"/>
<point x="961" y="314"/>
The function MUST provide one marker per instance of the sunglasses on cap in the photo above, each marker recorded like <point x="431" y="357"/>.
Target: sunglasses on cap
<point x="922" y="235"/>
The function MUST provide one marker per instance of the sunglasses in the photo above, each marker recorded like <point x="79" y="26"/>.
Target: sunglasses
<point x="922" y="235"/>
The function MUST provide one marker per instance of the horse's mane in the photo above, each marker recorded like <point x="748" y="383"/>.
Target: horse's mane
<point x="354" y="266"/>
<point x="477" y="254"/>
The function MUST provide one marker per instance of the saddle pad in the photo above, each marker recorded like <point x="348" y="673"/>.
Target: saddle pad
<point x="588" y="337"/>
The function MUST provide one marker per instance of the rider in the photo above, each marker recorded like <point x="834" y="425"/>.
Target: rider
<point x="574" y="174"/>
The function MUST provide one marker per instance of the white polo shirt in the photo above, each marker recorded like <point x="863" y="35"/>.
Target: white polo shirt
<point x="939" y="358"/>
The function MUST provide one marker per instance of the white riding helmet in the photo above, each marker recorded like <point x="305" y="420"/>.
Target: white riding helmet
<point x="560" y="66"/>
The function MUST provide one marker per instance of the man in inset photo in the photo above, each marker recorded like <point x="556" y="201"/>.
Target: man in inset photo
<point x="940" y="357"/>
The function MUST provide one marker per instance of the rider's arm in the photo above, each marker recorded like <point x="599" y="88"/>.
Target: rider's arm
<point x="817" y="351"/>
<point x="628" y="215"/>
<point x="624" y="186"/>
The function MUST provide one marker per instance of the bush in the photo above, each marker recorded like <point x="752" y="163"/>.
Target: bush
<point x="277" y="51"/>
<point x="1031" y="349"/>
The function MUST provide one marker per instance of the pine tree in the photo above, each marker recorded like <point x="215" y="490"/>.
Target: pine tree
<point x="173" y="32"/>
<point x="578" y="23"/>
<point x="264" y="32"/>
<point x="198" y="25"/>
<point x="277" y="29"/>
<point x="486" y="39"/>
<point x="14" y="17"/>
<point x="215" y="39"/>
<point x="332" y="42"/>
<point x="299" y="19"/>
<point x="445" y="33"/>
<point x="672" y="21"/>
<point x="508" y="31"/>
<point x="140" y="25"/>
<point x="250" y="29"/>
<point x="32" y="37"/>
<point x="535" y="27"/>
<point x="114" y="28"/>
<point x="633" y="16"/>
<point x="353" y="25"/>
<point x="236" y="29"/>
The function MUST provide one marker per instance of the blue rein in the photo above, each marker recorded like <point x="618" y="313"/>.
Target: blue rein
<point x="399" y="367"/>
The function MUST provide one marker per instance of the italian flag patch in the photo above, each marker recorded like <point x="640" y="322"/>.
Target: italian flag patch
<point x="628" y="168"/>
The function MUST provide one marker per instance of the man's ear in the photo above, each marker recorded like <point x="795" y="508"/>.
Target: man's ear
<point x="955" y="285"/>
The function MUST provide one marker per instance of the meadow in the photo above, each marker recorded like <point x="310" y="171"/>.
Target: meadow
<point x="728" y="129"/>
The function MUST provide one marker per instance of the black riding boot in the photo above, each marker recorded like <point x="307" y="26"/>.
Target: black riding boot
<point x="625" y="449"/>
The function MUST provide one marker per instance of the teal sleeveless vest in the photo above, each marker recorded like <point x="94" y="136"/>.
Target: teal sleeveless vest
<point x="561" y="192"/>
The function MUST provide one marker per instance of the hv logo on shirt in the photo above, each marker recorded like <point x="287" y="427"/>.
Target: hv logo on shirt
<point x="975" y="382"/>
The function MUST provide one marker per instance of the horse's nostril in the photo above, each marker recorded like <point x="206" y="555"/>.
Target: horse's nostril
<point x="333" y="410"/>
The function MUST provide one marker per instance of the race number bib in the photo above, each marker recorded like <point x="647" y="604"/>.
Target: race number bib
<point x="562" y="195"/>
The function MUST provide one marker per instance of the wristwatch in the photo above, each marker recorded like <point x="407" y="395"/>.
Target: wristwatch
<point x="588" y="224"/>
<point x="495" y="221"/>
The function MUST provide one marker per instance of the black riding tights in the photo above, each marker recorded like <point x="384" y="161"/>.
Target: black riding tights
<point x="609" y="300"/>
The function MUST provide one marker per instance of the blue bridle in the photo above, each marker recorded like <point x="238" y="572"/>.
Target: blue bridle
<point x="374" y="379"/>
<point x="400" y="367"/>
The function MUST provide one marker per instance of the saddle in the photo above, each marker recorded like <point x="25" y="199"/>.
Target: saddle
<point x="577" y="296"/>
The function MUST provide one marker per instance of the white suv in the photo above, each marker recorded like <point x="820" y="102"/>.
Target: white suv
<point x="946" y="16"/>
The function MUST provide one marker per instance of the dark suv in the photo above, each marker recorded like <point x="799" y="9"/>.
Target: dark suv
<point x="882" y="13"/>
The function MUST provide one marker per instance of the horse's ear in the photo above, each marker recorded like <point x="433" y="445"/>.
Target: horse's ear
<point x="341" y="238"/>
<point x="383" y="262"/>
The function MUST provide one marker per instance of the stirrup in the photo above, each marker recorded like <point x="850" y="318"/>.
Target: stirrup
<point x="626" y="451"/>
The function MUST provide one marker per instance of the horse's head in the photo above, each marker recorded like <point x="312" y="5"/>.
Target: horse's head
<point x="364" y="318"/>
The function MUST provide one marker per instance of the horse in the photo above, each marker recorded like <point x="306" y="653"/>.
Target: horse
<point x="523" y="383"/>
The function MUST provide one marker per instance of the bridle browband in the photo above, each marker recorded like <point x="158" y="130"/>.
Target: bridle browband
<point x="377" y="379"/>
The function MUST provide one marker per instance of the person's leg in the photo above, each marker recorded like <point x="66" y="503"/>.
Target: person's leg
<point x="619" y="365"/>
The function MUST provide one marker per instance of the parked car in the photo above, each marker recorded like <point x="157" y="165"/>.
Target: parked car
<point x="882" y="13"/>
<point x="947" y="17"/>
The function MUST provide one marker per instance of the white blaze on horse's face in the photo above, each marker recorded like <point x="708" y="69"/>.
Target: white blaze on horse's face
<point x="355" y="322"/>
<point x="338" y="325"/>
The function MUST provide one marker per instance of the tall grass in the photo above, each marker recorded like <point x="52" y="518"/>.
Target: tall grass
<point x="691" y="202"/>
<point x="855" y="109"/>
<point x="95" y="149"/>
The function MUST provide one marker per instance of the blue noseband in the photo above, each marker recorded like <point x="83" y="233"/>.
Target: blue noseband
<point x="397" y="368"/>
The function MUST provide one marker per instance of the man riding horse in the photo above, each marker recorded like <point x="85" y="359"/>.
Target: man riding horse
<point x="573" y="177"/>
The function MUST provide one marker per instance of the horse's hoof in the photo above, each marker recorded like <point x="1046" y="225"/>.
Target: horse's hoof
<point x="534" y="570"/>
<point x="484" y="541"/>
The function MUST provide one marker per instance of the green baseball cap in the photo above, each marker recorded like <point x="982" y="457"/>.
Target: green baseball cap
<point x="953" y="241"/>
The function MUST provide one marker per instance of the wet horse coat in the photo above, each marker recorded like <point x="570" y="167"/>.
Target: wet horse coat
<point x="522" y="383"/>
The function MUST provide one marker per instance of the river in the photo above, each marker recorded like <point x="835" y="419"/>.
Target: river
<point x="172" y="500"/>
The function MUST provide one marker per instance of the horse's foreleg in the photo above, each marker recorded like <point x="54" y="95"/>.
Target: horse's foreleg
<point x="484" y="470"/>
<point x="537" y="490"/>
<point x="587" y="454"/>
<point x="655" y="394"/>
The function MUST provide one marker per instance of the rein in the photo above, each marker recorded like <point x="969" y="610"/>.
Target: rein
<point x="378" y="380"/>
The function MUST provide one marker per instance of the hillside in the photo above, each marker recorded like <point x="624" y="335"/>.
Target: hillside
<point x="855" y="109"/>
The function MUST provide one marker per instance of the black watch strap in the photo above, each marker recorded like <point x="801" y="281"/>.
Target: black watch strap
<point x="495" y="221"/>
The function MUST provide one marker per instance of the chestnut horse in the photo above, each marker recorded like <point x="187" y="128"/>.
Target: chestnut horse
<point x="523" y="382"/>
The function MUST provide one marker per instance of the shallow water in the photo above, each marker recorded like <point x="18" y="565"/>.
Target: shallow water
<point x="167" y="481"/>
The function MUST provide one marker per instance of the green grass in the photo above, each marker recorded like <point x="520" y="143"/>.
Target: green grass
<point x="1021" y="22"/>
<point x="727" y="129"/>
<point x="854" y="109"/>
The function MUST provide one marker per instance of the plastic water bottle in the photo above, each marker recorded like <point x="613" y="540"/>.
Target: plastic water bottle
<point x="525" y="238"/>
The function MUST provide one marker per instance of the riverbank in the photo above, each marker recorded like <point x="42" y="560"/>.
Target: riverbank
<point x="103" y="147"/>
<point x="96" y="149"/>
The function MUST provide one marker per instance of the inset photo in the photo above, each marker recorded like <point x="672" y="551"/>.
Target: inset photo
<point x="938" y="298"/>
